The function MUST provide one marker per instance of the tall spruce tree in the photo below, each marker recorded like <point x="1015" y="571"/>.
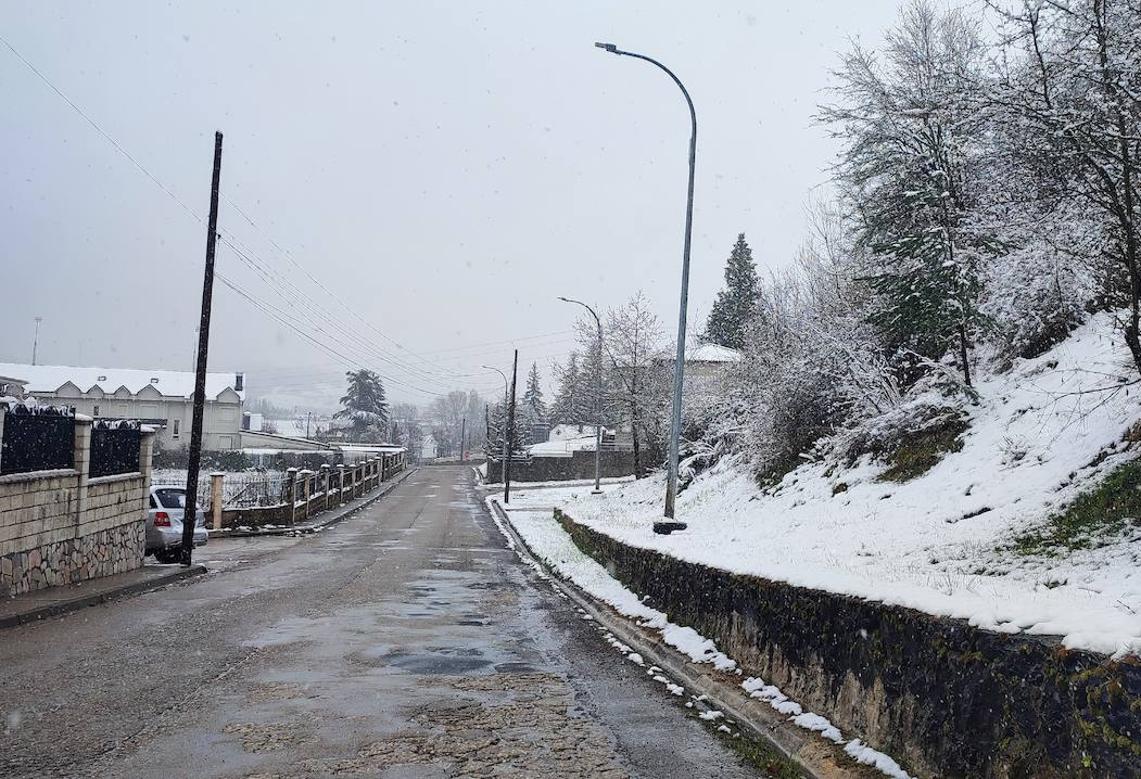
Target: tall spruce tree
<point x="533" y="396"/>
<point x="363" y="405"/>
<point x="737" y="302"/>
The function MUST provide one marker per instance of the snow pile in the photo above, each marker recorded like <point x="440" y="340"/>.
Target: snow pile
<point x="1040" y="434"/>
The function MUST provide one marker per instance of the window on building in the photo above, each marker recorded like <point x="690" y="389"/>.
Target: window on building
<point x="174" y="428"/>
<point x="225" y="442"/>
<point x="95" y="411"/>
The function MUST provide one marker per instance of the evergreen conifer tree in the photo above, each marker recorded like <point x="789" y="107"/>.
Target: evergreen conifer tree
<point x="364" y="404"/>
<point x="737" y="302"/>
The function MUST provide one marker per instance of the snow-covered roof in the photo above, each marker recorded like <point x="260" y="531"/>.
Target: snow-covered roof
<point x="713" y="353"/>
<point x="49" y="378"/>
<point x="562" y="448"/>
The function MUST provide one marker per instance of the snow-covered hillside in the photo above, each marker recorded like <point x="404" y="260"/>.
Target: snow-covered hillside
<point x="1040" y="434"/>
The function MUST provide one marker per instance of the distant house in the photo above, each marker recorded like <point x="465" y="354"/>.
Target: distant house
<point x="160" y="398"/>
<point x="428" y="449"/>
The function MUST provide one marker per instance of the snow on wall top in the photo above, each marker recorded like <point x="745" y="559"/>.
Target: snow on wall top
<point x="49" y="378"/>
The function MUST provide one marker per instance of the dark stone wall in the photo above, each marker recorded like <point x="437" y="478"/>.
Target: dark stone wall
<point x="944" y="698"/>
<point x="580" y="465"/>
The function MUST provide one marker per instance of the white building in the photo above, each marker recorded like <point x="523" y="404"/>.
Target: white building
<point x="160" y="398"/>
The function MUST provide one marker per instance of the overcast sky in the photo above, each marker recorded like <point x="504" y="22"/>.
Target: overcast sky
<point x="436" y="172"/>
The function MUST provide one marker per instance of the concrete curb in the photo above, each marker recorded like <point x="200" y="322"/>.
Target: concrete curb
<point x="83" y="601"/>
<point x="337" y="515"/>
<point x="812" y="754"/>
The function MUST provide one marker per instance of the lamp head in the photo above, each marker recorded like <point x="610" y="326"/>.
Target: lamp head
<point x="610" y="47"/>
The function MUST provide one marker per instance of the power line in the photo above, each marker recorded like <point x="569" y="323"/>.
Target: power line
<point x="230" y="240"/>
<point x="101" y="131"/>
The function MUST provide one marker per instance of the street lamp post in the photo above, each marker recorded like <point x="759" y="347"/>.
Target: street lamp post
<point x="597" y="399"/>
<point x="670" y="525"/>
<point x="503" y="465"/>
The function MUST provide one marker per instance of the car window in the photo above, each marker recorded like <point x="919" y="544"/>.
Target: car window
<point x="172" y="498"/>
<point x="153" y="504"/>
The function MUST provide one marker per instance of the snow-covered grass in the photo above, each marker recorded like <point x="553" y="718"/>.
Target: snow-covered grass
<point x="1040" y="435"/>
<point x="546" y="538"/>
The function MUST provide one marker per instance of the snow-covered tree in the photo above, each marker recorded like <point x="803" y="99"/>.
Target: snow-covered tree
<point x="533" y="396"/>
<point x="572" y="404"/>
<point x="363" y="405"/>
<point x="633" y="340"/>
<point x="736" y="303"/>
<point x="910" y="128"/>
<point x="1066" y="108"/>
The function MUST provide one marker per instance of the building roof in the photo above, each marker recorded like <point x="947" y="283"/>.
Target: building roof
<point x="49" y="378"/>
<point x="705" y="353"/>
<point x="713" y="353"/>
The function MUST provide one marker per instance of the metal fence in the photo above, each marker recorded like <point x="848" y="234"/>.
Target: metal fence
<point x="114" y="448"/>
<point x="240" y="489"/>
<point x="37" y="440"/>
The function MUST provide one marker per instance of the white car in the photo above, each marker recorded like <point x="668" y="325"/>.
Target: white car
<point x="164" y="524"/>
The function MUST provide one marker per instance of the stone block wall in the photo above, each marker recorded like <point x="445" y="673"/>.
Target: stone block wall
<point x="61" y="527"/>
<point x="580" y="465"/>
<point x="943" y="697"/>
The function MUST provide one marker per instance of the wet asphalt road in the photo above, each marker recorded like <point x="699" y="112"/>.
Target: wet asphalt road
<point x="404" y="642"/>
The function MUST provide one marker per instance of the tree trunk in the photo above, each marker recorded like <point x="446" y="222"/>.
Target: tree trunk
<point x="634" y="434"/>
<point x="964" y="354"/>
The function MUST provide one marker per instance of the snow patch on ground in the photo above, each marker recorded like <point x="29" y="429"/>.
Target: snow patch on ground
<point x="931" y="543"/>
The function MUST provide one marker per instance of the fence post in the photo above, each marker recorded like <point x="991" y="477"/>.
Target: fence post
<point x="325" y="485"/>
<point x="216" y="498"/>
<point x="3" y="411"/>
<point x="82" y="455"/>
<point x="291" y="492"/>
<point x="340" y="483"/>
<point x="307" y="490"/>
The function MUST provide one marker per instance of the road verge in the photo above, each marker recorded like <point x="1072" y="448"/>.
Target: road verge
<point x="721" y="691"/>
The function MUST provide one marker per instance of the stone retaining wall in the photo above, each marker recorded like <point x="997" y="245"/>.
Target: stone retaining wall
<point x="942" y="697"/>
<point x="61" y="527"/>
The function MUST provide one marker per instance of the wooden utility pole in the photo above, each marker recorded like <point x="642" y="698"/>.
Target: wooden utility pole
<point x="463" y="437"/>
<point x="191" y="509"/>
<point x="510" y="432"/>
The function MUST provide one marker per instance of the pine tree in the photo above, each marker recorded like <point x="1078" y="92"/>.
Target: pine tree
<point x="533" y="396"/>
<point x="737" y="302"/>
<point x="568" y="406"/>
<point x="364" y="404"/>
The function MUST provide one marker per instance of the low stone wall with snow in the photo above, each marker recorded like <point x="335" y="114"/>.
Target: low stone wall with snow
<point x="580" y="465"/>
<point x="942" y="697"/>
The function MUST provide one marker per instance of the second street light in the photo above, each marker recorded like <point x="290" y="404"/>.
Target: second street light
<point x="503" y="464"/>
<point x="597" y="398"/>
<point x="670" y="524"/>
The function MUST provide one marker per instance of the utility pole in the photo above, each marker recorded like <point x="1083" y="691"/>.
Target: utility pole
<point x="191" y="506"/>
<point x="307" y="415"/>
<point x="36" y="339"/>
<point x="510" y="432"/>
<point x="463" y="438"/>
